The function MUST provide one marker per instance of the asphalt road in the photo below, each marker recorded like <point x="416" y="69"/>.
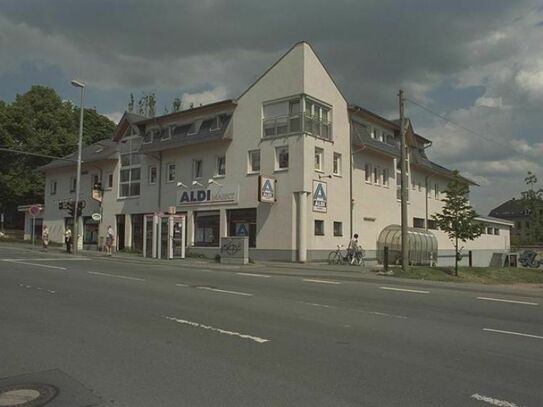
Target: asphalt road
<point x="136" y="334"/>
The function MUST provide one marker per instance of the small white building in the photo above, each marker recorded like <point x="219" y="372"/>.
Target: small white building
<point x="331" y="166"/>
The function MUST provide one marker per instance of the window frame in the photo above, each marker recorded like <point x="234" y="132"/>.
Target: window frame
<point x="200" y="168"/>
<point x="53" y="187"/>
<point x="319" y="158"/>
<point x="340" y="233"/>
<point x="337" y="159"/>
<point x="250" y="168"/>
<point x="73" y="184"/>
<point x="320" y="222"/>
<point x="218" y="166"/>
<point x="150" y="169"/>
<point x="368" y="173"/>
<point x="132" y="153"/>
<point x="169" y="166"/>
<point x="278" y="150"/>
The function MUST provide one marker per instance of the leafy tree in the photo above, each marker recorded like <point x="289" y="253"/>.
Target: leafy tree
<point x="131" y="103"/>
<point x="39" y="121"/>
<point x="177" y="105"/>
<point x="458" y="217"/>
<point x="533" y="202"/>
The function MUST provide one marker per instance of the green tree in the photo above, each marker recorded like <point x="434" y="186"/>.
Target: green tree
<point x="458" y="217"/>
<point x="131" y="103"/>
<point x="533" y="202"/>
<point x="40" y="121"/>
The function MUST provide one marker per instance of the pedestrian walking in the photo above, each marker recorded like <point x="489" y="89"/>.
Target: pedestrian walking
<point x="353" y="249"/>
<point x="68" y="239"/>
<point x="45" y="238"/>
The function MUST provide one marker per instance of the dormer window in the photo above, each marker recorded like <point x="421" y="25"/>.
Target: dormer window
<point x="216" y="123"/>
<point x="148" y="137"/>
<point x="166" y="133"/>
<point x="195" y="128"/>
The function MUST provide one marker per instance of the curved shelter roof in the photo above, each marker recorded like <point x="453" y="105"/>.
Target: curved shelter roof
<point x="421" y="245"/>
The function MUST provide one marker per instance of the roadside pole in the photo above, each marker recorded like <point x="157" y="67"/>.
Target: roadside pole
<point x="403" y="186"/>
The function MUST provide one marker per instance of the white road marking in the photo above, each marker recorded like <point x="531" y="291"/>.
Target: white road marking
<point x="405" y="290"/>
<point x="225" y="291"/>
<point x="383" y="314"/>
<point x="219" y="330"/>
<point x="38" y="265"/>
<point x="310" y="280"/>
<point x="182" y="285"/>
<point x="503" y="300"/>
<point x="493" y="401"/>
<point x="51" y="259"/>
<point x="253" y="275"/>
<point x="512" y="333"/>
<point x="116" y="275"/>
<point x="37" y="288"/>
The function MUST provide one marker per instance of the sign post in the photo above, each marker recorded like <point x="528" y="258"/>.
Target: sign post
<point x="34" y="211"/>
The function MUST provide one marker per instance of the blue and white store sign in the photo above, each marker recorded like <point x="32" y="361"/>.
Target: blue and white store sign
<point x="208" y="196"/>
<point x="320" y="196"/>
<point x="267" y="189"/>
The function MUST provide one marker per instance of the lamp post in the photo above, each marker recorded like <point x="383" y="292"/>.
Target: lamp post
<point x="80" y="85"/>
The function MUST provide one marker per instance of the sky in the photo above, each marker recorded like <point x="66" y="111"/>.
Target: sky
<point x="477" y="63"/>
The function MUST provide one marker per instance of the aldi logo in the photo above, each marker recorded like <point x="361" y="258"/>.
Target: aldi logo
<point x="320" y="197"/>
<point x="266" y="189"/>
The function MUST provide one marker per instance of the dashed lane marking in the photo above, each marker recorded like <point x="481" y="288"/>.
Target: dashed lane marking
<point x="493" y="401"/>
<point x="510" y="301"/>
<point x="225" y="291"/>
<point x="37" y="288"/>
<point x="37" y="265"/>
<point x="218" y="330"/>
<point x="116" y="276"/>
<point x="310" y="280"/>
<point x="499" y="331"/>
<point x="253" y="275"/>
<point x="405" y="290"/>
<point x="382" y="314"/>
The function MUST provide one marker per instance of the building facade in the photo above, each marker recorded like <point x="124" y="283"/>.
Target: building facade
<point x="517" y="211"/>
<point x="289" y="163"/>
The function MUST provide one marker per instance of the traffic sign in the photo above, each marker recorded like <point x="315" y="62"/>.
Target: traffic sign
<point x="34" y="210"/>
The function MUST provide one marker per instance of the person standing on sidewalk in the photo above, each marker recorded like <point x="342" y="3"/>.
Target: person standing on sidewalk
<point x="109" y="240"/>
<point x="45" y="238"/>
<point x="68" y="239"/>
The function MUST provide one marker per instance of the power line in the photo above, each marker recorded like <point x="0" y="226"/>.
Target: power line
<point x="458" y="125"/>
<point x="10" y="150"/>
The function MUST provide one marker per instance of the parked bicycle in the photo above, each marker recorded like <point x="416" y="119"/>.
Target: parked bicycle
<point x="343" y="256"/>
<point x="338" y="256"/>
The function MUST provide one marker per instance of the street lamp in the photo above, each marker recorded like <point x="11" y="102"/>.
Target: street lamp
<point x="80" y="85"/>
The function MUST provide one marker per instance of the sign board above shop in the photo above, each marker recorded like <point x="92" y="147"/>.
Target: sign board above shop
<point x="267" y="189"/>
<point x="320" y="196"/>
<point x="214" y="194"/>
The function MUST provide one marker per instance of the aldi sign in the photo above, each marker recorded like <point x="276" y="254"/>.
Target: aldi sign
<point x="320" y="196"/>
<point x="211" y="195"/>
<point x="267" y="189"/>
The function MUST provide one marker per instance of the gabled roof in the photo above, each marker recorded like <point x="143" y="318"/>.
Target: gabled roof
<point x="102" y="150"/>
<point x="512" y="208"/>
<point x="126" y="121"/>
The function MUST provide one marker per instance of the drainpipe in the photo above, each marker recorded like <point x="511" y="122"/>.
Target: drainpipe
<point x="351" y="163"/>
<point x="302" y="227"/>
<point x="426" y="201"/>
<point x="159" y="180"/>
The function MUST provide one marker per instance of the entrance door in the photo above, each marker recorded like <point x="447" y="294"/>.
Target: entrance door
<point x="120" y="232"/>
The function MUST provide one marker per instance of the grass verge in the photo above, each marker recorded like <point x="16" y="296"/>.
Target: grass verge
<point x="481" y="275"/>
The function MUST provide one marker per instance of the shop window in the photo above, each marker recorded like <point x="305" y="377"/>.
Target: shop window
<point x="418" y="223"/>
<point x="242" y="222"/>
<point x="137" y="232"/>
<point x="319" y="157"/>
<point x="221" y="165"/>
<point x="171" y="173"/>
<point x="337" y="164"/>
<point x="254" y="161"/>
<point x="319" y="228"/>
<point x="338" y="229"/>
<point x="206" y="228"/>
<point x="281" y="157"/>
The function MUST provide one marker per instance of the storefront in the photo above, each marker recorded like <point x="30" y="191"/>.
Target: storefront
<point x="242" y="222"/>
<point x="90" y="233"/>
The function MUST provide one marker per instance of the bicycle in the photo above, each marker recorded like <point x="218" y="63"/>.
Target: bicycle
<point x="358" y="257"/>
<point x="338" y="256"/>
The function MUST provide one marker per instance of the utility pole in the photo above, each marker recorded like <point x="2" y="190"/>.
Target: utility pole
<point x="404" y="188"/>
<point x="78" y="176"/>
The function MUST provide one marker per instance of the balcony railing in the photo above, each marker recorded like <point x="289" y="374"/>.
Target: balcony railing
<point x="285" y="125"/>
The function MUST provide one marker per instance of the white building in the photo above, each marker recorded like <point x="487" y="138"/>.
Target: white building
<point x="334" y="166"/>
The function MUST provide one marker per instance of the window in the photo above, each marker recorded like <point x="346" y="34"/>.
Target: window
<point x="281" y="118"/>
<point x="166" y="133"/>
<point x="367" y="172"/>
<point x="53" y="190"/>
<point x="374" y="132"/>
<point x="206" y="228"/>
<point x="432" y="224"/>
<point x="110" y="181"/>
<point x="171" y="173"/>
<point x="338" y="229"/>
<point x="281" y="157"/>
<point x="216" y="123"/>
<point x="489" y="231"/>
<point x="337" y="164"/>
<point x="385" y="181"/>
<point x="376" y="175"/>
<point x="317" y="119"/>
<point x="483" y="230"/>
<point x="194" y="128"/>
<point x="148" y="137"/>
<point x="496" y="231"/>
<point x="152" y="174"/>
<point x="254" y="161"/>
<point x="73" y="184"/>
<point x="130" y="171"/>
<point x="242" y="222"/>
<point x="389" y="139"/>
<point x="197" y="169"/>
<point x="221" y="165"/>
<point x="319" y="154"/>
<point x="418" y="223"/>
<point x="436" y="191"/>
<point x="319" y="228"/>
<point x="95" y="179"/>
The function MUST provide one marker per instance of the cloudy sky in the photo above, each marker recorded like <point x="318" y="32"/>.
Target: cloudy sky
<point x="478" y="63"/>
